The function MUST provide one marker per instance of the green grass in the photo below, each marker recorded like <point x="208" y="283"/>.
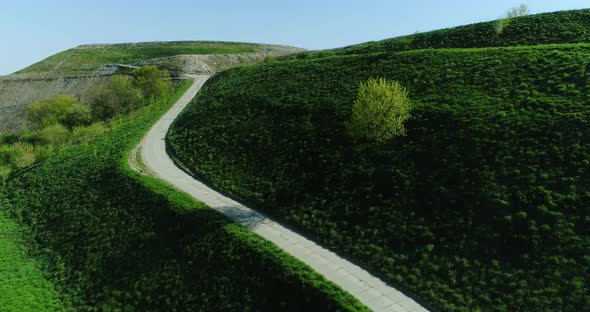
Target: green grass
<point x="547" y="28"/>
<point x="483" y="205"/>
<point x="122" y="241"/>
<point x="90" y="57"/>
<point x="23" y="286"/>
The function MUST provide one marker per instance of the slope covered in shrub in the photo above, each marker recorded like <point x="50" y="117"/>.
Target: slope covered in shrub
<point x="547" y="28"/>
<point x="118" y="241"/>
<point x="484" y="204"/>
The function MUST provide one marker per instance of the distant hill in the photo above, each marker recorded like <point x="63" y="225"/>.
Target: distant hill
<point x="89" y="58"/>
<point x="482" y="206"/>
<point x="75" y="71"/>
<point x="547" y="28"/>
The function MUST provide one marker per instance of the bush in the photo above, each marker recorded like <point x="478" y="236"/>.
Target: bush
<point x="116" y="97"/>
<point x="154" y="83"/>
<point x="61" y="109"/>
<point x="380" y="111"/>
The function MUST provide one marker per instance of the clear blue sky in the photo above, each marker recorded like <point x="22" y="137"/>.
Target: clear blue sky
<point x="32" y="30"/>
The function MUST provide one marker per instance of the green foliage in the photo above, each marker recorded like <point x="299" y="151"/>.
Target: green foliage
<point x="23" y="287"/>
<point x="114" y="240"/>
<point x="118" y="96"/>
<point x="482" y="206"/>
<point x="520" y="11"/>
<point x="501" y="24"/>
<point x="547" y="28"/>
<point x="153" y="83"/>
<point x="379" y="111"/>
<point x="61" y="109"/>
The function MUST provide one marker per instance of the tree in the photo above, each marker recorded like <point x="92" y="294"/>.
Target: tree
<point x="380" y="111"/>
<point x="116" y="97"/>
<point x="153" y="83"/>
<point x="61" y="109"/>
<point x="522" y="10"/>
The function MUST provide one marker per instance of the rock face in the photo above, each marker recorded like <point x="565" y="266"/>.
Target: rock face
<point x="18" y="91"/>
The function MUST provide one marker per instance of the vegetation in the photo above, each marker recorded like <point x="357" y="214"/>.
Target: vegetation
<point x="522" y="10"/>
<point x="548" y="28"/>
<point x="482" y="205"/>
<point x="153" y="83"/>
<point x="62" y="120"/>
<point x="22" y="284"/>
<point x="380" y="111"/>
<point x="88" y="58"/>
<point x="61" y="109"/>
<point x="114" y="240"/>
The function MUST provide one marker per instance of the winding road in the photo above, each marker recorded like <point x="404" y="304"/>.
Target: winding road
<point x="370" y="290"/>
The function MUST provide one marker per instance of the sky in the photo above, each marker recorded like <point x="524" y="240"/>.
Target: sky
<point x="33" y="30"/>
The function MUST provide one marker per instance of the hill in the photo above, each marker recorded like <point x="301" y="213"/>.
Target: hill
<point x="74" y="72"/>
<point x="89" y="58"/>
<point x="547" y="28"/>
<point x="480" y="207"/>
<point x="111" y="239"/>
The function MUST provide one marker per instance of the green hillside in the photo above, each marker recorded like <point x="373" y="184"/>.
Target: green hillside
<point x="483" y="205"/>
<point x="23" y="285"/>
<point x="546" y="28"/>
<point x="87" y="58"/>
<point x="113" y="240"/>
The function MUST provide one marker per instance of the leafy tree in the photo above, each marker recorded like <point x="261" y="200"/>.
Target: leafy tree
<point x="61" y="109"/>
<point x="522" y="10"/>
<point x="380" y="111"/>
<point x="153" y="83"/>
<point x="116" y="97"/>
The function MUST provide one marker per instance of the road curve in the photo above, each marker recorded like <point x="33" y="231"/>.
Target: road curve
<point x="371" y="291"/>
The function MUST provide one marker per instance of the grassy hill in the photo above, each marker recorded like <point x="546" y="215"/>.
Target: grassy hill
<point x="22" y="282"/>
<point x="547" y="28"/>
<point x="110" y="239"/>
<point x="483" y="205"/>
<point x="87" y="58"/>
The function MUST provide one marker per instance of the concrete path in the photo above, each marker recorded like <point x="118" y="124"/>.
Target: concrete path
<point x="371" y="291"/>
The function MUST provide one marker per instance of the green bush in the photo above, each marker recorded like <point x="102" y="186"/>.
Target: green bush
<point x="118" y="96"/>
<point x="153" y="83"/>
<point x="61" y="109"/>
<point x="380" y="111"/>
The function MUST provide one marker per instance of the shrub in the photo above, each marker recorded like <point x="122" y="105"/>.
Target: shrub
<point x="85" y="134"/>
<point x="154" y="83"/>
<point x="380" y="111"/>
<point x="61" y="109"/>
<point x="116" y="97"/>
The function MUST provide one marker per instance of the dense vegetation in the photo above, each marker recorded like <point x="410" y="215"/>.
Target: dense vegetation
<point x="63" y="120"/>
<point x="23" y="287"/>
<point x="483" y="205"/>
<point x="548" y="28"/>
<point x="89" y="57"/>
<point x="117" y="241"/>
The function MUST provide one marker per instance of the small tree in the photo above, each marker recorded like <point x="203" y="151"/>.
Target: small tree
<point x="116" y="97"/>
<point x="152" y="82"/>
<point x="522" y="10"/>
<point x="61" y="109"/>
<point x="380" y="111"/>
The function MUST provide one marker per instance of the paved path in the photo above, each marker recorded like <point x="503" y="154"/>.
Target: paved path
<point x="369" y="290"/>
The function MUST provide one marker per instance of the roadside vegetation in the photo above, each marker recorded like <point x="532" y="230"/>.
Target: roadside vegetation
<point x="62" y="120"/>
<point x="480" y="206"/>
<point x="114" y="240"/>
